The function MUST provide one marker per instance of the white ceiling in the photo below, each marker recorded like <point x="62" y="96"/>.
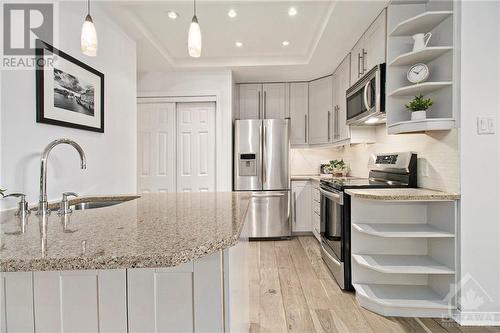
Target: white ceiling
<point x="320" y="35"/>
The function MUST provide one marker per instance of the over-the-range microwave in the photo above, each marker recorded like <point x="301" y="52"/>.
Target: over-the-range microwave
<point x="366" y="98"/>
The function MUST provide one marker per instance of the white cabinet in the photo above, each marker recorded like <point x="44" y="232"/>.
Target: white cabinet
<point x="320" y="110"/>
<point x="301" y="215"/>
<point x="370" y="49"/>
<point x="16" y="302"/>
<point x="275" y="100"/>
<point x="250" y="101"/>
<point x="299" y="112"/>
<point x="341" y="82"/>
<point x="315" y="211"/>
<point x="266" y="101"/>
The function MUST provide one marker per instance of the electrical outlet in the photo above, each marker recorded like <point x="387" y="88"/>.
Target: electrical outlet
<point x="485" y="125"/>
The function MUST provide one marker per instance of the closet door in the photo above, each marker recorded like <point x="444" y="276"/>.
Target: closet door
<point x="156" y="147"/>
<point x="196" y="147"/>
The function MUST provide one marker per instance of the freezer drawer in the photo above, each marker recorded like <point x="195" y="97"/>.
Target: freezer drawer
<point x="269" y="215"/>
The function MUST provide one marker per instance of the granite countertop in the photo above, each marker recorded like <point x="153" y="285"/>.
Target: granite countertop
<point x="403" y="194"/>
<point x="154" y="230"/>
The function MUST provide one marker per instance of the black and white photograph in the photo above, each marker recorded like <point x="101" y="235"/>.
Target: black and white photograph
<point x="72" y="94"/>
<point x="69" y="92"/>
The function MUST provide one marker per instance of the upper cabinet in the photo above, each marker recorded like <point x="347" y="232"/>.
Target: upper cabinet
<point x="341" y="82"/>
<point x="266" y="101"/>
<point x="299" y="112"/>
<point x="320" y="110"/>
<point x="370" y="50"/>
<point x="275" y="100"/>
<point x="250" y="100"/>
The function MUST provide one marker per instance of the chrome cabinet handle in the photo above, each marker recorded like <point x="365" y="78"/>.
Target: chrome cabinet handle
<point x="363" y="69"/>
<point x="295" y="207"/>
<point x="305" y="128"/>
<point x="329" y="117"/>
<point x="365" y="96"/>
<point x="359" y="65"/>
<point x="265" y="107"/>
<point x="258" y="106"/>
<point x="337" y="122"/>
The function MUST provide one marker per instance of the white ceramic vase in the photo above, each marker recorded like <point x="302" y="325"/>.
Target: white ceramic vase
<point x="418" y="115"/>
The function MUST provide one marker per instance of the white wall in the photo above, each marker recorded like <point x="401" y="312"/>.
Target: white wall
<point x="111" y="157"/>
<point x="437" y="152"/>
<point x="204" y="83"/>
<point x="480" y="155"/>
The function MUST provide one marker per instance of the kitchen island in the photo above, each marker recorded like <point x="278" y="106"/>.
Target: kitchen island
<point x="159" y="262"/>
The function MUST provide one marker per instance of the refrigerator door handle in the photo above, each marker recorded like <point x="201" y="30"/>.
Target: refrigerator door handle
<point x="267" y="195"/>
<point x="264" y="161"/>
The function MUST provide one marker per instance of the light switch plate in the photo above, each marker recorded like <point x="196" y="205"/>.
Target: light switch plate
<point x="485" y="125"/>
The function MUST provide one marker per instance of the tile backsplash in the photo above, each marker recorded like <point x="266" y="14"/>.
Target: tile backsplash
<point x="438" y="158"/>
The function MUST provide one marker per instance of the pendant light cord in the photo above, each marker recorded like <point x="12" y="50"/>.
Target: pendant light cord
<point x="194" y="7"/>
<point x="88" y="7"/>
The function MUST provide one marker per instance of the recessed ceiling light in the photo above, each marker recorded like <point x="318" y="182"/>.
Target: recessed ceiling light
<point x="238" y="44"/>
<point x="292" y="11"/>
<point x="232" y="13"/>
<point x="285" y="43"/>
<point x="172" y="15"/>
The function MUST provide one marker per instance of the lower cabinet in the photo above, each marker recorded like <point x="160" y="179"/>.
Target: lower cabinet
<point x="176" y="299"/>
<point x="301" y="206"/>
<point x="315" y="211"/>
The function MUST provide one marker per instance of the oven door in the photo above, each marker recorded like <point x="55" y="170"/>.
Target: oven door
<point x="332" y="203"/>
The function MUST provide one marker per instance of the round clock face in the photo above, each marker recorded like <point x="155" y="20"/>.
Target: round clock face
<point x="418" y="73"/>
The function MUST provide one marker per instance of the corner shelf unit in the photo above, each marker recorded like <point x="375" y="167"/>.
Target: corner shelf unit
<point x="403" y="21"/>
<point x="404" y="256"/>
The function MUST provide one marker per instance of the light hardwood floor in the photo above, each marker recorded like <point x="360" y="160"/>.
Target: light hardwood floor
<point x="291" y="290"/>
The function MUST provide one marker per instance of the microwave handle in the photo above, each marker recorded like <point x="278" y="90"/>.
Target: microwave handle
<point x="365" y="96"/>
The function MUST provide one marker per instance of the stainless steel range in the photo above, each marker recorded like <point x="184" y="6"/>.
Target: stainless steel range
<point x="387" y="171"/>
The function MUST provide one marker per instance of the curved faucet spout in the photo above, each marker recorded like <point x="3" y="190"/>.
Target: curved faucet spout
<point x="42" y="205"/>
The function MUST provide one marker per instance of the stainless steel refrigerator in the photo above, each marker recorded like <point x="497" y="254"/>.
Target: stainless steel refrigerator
<point x="261" y="165"/>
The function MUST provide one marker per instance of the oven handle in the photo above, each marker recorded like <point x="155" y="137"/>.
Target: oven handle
<point x="335" y="196"/>
<point x="365" y="96"/>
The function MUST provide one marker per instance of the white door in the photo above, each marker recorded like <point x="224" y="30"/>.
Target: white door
<point x="156" y="147"/>
<point x="341" y="82"/>
<point x="196" y="147"/>
<point x="250" y="100"/>
<point x="275" y="100"/>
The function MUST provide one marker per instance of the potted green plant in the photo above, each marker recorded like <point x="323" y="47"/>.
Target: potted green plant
<point x="338" y="168"/>
<point x="418" y="107"/>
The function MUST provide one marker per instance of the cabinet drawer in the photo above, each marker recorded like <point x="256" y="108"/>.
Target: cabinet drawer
<point x="316" y="207"/>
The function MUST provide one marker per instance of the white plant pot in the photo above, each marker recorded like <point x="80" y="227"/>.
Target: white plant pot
<point x="418" y="115"/>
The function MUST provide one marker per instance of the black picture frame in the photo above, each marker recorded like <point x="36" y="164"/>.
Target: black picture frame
<point x="42" y="49"/>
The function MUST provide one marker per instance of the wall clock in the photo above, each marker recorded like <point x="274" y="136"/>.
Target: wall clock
<point x="418" y="73"/>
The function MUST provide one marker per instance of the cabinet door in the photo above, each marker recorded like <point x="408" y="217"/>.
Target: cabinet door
<point x="299" y="112"/>
<point x="250" y="101"/>
<point x="357" y="54"/>
<point x="80" y="301"/>
<point x="301" y="192"/>
<point x="320" y="110"/>
<point x="274" y="100"/>
<point x="375" y="42"/>
<point x="341" y="82"/>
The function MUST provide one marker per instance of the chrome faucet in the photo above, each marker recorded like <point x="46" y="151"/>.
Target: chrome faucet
<point x="43" y="205"/>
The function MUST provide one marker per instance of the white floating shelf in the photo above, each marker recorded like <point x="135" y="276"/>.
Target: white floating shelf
<point x="424" y="55"/>
<point x="402" y="300"/>
<point x="402" y="264"/>
<point x="429" y="124"/>
<point x="422" y="23"/>
<point x="420" y="88"/>
<point x="401" y="230"/>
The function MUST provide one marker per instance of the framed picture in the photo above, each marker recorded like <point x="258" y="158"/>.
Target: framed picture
<point x="68" y="92"/>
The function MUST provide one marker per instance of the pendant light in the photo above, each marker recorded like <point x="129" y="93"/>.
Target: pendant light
<point x="194" y="36"/>
<point x="89" y="35"/>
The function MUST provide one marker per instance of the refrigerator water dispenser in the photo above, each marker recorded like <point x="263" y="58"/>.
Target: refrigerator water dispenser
<point x="248" y="165"/>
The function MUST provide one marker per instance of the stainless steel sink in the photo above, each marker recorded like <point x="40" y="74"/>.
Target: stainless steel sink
<point x="98" y="204"/>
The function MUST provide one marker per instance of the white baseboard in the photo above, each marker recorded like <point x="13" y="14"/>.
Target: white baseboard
<point x="477" y="318"/>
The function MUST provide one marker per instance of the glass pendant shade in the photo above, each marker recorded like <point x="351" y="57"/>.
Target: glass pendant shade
<point x="194" y="38"/>
<point x="89" y="37"/>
